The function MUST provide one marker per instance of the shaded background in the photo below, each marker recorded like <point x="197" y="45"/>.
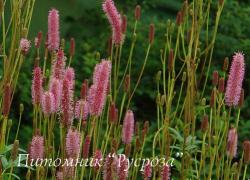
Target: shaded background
<point x="84" y="20"/>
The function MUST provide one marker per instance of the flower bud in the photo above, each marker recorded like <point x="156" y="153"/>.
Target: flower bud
<point x="14" y="151"/>
<point x="151" y="33"/>
<point x="204" y="123"/>
<point x="221" y="87"/>
<point x="138" y="12"/>
<point x="246" y="149"/>
<point x="170" y="60"/>
<point x="213" y="98"/>
<point x="215" y="78"/>
<point x="225" y="64"/>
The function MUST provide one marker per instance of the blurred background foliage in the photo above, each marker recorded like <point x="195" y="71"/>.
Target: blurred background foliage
<point x="85" y="21"/>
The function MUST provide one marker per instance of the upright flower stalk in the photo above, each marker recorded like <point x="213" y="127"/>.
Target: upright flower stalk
<point x="114" y="20"/>
<point x="53" y="30"/>
<point x="235" y="80"/>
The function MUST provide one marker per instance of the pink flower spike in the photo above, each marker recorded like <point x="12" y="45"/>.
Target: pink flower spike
<point x="37" y="89"/>
<point x="56" y="89"/>
<point x="166" y="172"/>
<point x="98" y="91"/>
<point x="37" y="147"/>
<point x="147" y="171"/>
<point x="73" y="140"/>
<point x="67" y="106"/>
<point x="232" y="141"/>
<point x="86" y="146"/>
<point x="97" y="158"/>
<point x="81" y="110"/>
<point x="122" y="168"/>
<point x="48" y="103"/>
<point x="235" y="80"/>
<point x="70" y="75"/>
<point x="53" y="30"/>
<point x="25" y="45"/>
<point x="114" y="20"/>
<point x="128" y="127"/>
<point x="58" y="67"/>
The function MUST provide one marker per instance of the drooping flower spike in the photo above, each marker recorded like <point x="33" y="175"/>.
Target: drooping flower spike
<point x="235" y="80"/>
<point x="98" y="91"/>
<point x="114" y="20"/>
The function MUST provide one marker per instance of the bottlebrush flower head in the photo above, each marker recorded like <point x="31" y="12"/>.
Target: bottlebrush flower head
<point x="73" y="140"/>
<point x="25" y="45"/>
<point x="58" y="66"/>
<point x="6" y="100"/>
<point x="232" y="141"/>
<point x="110" y="167"/>
<point x="98" y="91"/>
<point x="36" y="88"/>
<point x="48" y="103"/>
<point x="235" y="79"/>
<point x="114" y="20"/>
<point x="53" y="30"/>
<point x="37" y="147"/>
<point x="147" y="173"/>
<point x="85" y="147"/>
<point x="128" y="127"/>
<point x="70" y="75"/>
<point x="122" y="170"/>
<point x="97" y="158"/>
<point x="81" y="110"/>
<point x="166" y="172"/>
<point x="113" y="113"/>
<point x="67" y="103"/>
<point x="56" y="89"/>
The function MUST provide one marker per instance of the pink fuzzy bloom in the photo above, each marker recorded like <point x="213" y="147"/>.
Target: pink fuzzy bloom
<point x="81" y="109"/>
<point x="235" y="79"/>
<point x="98" y="91"/>
<point x="59" y="175"/>
<point x="70" y="75"/>
<point x="114" y="19"/>
<point x="110" y="167"/>
<point x="25" y="45"/>
<point x="67" y="103"/>
<point x="73" y="140"/>
<point x="37" y="147"/>
<point x="37" y="89"/>
<point x="232" y="141"/>
<point x="166" y="172"/>
<point x="48" y="103"/>
<point x="56" y="89"/>
<point x="53" y="30"/>
<point x="85" y="147"/>
<point x="122" y="170"/>
<point x="97" y="158"/>
<point x="147" y="173"/>
<point x="128" y="127"/>
<point x="58" y="67"/>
